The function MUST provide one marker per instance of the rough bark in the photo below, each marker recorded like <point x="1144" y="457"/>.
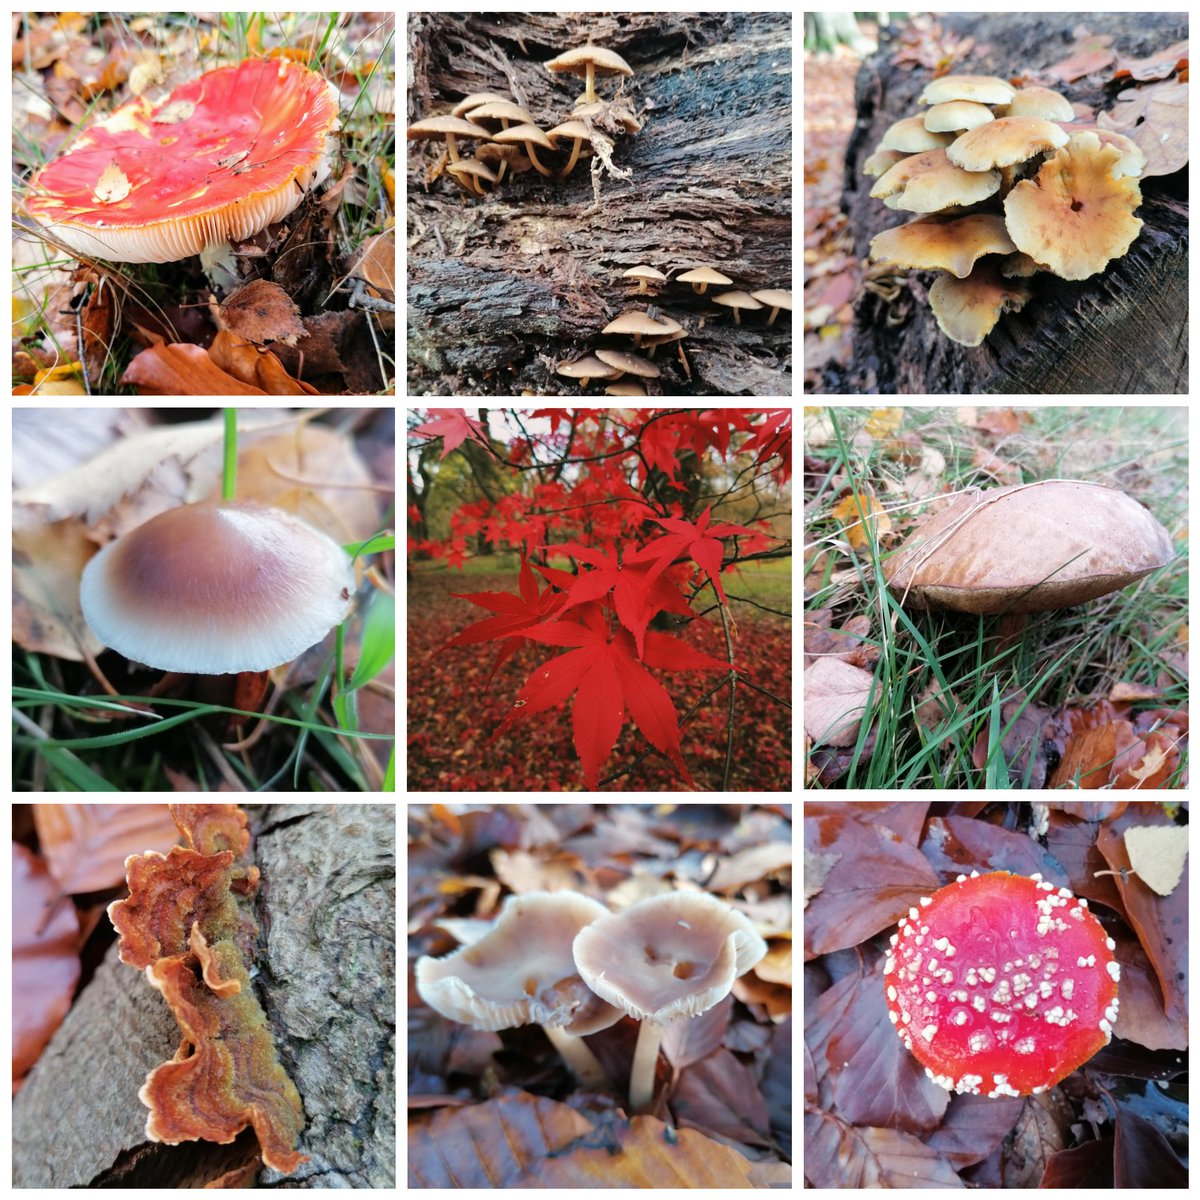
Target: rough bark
<point x="501" y="289"/>
<point x="326" y="978"/>
<point x="1122" y="331"/>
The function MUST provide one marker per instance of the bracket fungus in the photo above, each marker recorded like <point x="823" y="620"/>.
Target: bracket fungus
<point x="1001" y="985"/>
<point x="215" y="589"/>
<point x="189" y="924"/>
<point x="1061" y="195"/>
<point x="664" y="959"/>
<point x="1028" y="548"/>
<point x="521" y="973"/>
<point x="221" y="158"/>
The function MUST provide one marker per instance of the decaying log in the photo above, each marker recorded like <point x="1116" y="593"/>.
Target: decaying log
<point x="501" y="289"/>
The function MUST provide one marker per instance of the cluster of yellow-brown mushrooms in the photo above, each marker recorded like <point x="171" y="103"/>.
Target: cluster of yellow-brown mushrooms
<point x="509" y="138"/>
<point x="1007" y="183"/>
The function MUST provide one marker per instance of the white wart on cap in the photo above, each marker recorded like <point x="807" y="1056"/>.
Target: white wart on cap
<point x="214" y="589"/>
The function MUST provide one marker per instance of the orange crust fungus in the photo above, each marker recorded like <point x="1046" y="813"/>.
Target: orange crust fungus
<point x="185" y="926"/>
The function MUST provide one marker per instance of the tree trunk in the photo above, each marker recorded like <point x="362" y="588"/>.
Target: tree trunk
<point x="1121" y="331"/>
<point x="502" y="289"/>
<point x="326" y="974"/>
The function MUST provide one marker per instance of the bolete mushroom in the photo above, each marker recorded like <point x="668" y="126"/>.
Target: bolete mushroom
<point x="222" y="157"/>
<point x="216" y="589"/>
<point x="1028" y="548"/>
<point x="1001" y="985"/>
<point x="521" y="972"/>
<point x="662" y="959"/>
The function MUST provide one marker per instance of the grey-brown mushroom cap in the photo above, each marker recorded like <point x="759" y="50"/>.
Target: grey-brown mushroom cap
<point x="1028" y="548"/>
<point x="667" y="957"/>
<point x="521" y="971"/>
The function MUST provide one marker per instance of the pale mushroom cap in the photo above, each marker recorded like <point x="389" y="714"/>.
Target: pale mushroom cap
<point x="958" y="114"/>
<point x="589" y="367"/>
<point x="495" y="110"/>
<point x="1133" y="158"/>
<point x="217" y="588"/>
<point x="1004" y="142"/>
<point x="635" y="323"/>
<point x="1041" y="102"/>
<point x="1075" y="217"/>
<point x="669" y="956"/>
<point x="521" y="972"/>
<point x="632" y="364"/>
<point x="222" y="157"/>
<point x="983" y="89"/>
<point x="571" y="129"/>
<point x="475" y="99"/>
<point x="930" y="182"/>
<point x="736" y="300"/>
<point x="911" y="136"/>
<point x="774" y="298"/>
<point x="431" y="127"/>
<point x="472" y="166"/>
<point x="933" y="244"/>
<point x="1028" y="548"/>
<point x="605" y="62"/>
<point x="523" y="133"/>
<point x="967" y="310"/>
<point x="703" y="275"/>
<point x="648" y="273"/>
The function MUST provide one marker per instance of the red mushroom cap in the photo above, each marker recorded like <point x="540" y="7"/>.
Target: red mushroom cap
<point x="223" y="156"/>
<point x="1001" y="984"/>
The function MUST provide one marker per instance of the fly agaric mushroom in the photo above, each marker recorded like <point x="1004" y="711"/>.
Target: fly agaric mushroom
<point x="662" y="959"/>
<point x="588" y="61"/>
<point x="1001" y="985"/>
<point x="214" y="589"/>
<point x="521" y="973"/>
<point x="1028" y="548"/>
<point x="222" y="157"/>
<point x="1075" y="215"/>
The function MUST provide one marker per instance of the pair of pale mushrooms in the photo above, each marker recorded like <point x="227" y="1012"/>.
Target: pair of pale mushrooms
<point x="969" y="151"/>
<point x="516" y="145"/>
<point x="563" y="961"/>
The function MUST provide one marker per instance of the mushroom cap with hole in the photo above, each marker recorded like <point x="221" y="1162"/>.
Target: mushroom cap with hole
<point x="703" y="275"/>
<point x="632" y="364"/>
<point x="983" y="89"/>
<point x="668" y="957"/>
<point x="1004" y="142"/>
<point x="1041" y="102"/>
<point x="220" y="158"/>
<point x="1001" y="984"/>
<point x="930" y="182"/>
<point x="1074" y="216"/>
<point x="957" y="114"/>
<point x="967" y="310"/>
<point x="934" y="243"/>
<point x="1028" y="548"/>
<point x="911" y="136"/>
<point x="215" y="588"/>
<point x="575" y="62"/>
<point x="521" y="972"/>
<point x="636" y="323"/>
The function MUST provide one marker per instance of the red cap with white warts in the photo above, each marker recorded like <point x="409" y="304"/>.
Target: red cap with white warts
<point x="1001" y="985"/>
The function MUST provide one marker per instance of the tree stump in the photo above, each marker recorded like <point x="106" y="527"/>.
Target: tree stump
<point x="501" y="289"/>
<point x="1122" y="331"/>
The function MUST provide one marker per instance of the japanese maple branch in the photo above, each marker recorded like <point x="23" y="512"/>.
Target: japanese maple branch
<point x="732" y="698"/>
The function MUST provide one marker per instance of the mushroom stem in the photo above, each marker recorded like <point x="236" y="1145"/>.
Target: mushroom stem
<point x="571" y="166"/>
<point x="533" y="158"/>
<point x="645" y="1059"/>
<point x="737" y="317"/>
<point x="591" y="83"/>
<point x="577" y="1056"/>
<point x="452" y="146"/>
<point x="699" y="288"/>
<point x="774" y="314"/>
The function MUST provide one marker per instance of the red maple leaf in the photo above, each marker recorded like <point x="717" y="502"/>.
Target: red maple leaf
<point x="453" y="426"/>
<point x="697" y="542"/>
<point x="608" y="679"/>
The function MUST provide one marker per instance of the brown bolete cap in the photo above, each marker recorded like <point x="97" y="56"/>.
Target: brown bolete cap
<point x="1041" y="102"/>
<point x="1004" y="142"/>
<point x="983" y="89"/>
<point x="667" y="957"/>
<point x="521" y="972"/>
<point x="955" y="115"/>
<point x="1028" y="548"/>
<point x="589" y="61"/>
<point x="911" y="136"/>
<point x="967" y="309"/>
<point x="1074" y="216"/>
<point x="214" y="589"/>
<point x="930" y="182"/>
<point x="939" y="244"/>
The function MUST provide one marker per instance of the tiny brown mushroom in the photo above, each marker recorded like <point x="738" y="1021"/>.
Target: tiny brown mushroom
<point x="638" y="325"/>
<point x="631" y="364"/>
<point x="587" y="61"/>
<point x="736" y="301"/>
<point x="474" y="100"/>
<point x="572" y="129"/>
<point x="586" y="369"/>
<point x="701" y="277"/>
<point x="502" y="111"/>
<point x="644" y="276"/>
<point x="468" y="172"/>
<point x="529" y="136"/>
<point x="450" y="128"/>
<point x="627" y="388"/>
<point x="775" y="299"/>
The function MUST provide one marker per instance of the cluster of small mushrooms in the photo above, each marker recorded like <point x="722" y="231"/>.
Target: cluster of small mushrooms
<point x="651" y="330"/>
<point x="1007" y="183"/>
<point x="561" y="960"/>
<point x="509" y="136"/>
